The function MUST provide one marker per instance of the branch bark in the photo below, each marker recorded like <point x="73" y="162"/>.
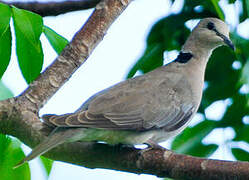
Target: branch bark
<point x="19" y="117"/>
<point x="51" y="8"/>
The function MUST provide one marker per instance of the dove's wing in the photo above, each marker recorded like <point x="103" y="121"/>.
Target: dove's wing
<point x="137" y="104"/>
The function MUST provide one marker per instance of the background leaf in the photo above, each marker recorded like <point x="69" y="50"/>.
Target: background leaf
<point x="28" y="28"/>
<point x="57" y="41"/>
<point x="240" y="154"/>
<point x="5" y="93"/>
<point x="11" y="153"/>
<point x="218" y="9"/>
<point x="245" y="73"/>
<point x="47" y="164"/>
<point x="245" y="13"/>
<point x="159" y="41"/>
<point x="190" y="142"/>
<point x="219" y="81"/>
<point x="5" y="37"/>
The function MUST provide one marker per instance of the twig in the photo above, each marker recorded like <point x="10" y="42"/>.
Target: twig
<point x="54" y="8"/>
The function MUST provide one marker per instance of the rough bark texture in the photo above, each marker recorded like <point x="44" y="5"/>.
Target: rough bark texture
<point x="54" y="8"/>
<point x="19" y="117"/>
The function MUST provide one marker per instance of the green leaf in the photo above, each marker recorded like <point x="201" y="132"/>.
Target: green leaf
<point x="247" y="7"/>
<point x="57" y="41"/>
<point x="201" y="150"/>
<point x="219" y="81"/>
<point x="5" y="50"/>
<point x="28" y="28"/>
<point x="152" y="58"/>
<point x="167" y="34"/>
<point x="245" y="12"/>
<point x="245" y="74"/>
<point x="218" y="9"/>
<point x="5" y="93"/>
<point x="5" y="38"/>
<point x="235" y="112"/>
<point x="240" y="154"/>
<point x="242" y="133"/>
<point x="5" y="14"/>
<point x="47" y="163"/>
<point x="241" y="45"/>
<point x="167" y="179"/>
<point x="211" y="8"/>
<point x="10" y="154"/>
<point x="190" y="140"/>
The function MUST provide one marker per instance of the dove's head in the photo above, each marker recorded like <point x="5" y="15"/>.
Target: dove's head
<point x="211" y="33"/>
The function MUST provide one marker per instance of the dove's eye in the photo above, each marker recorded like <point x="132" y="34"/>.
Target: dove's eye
<point x="210" y="26"/>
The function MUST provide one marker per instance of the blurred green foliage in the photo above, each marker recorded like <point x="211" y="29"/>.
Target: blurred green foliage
<point x="223" y="80"/>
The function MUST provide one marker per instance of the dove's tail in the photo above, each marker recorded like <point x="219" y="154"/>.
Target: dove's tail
<point x="59" y="136"/>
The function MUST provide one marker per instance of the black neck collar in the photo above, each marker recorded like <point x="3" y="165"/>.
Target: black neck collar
<point x="183" y="57"/>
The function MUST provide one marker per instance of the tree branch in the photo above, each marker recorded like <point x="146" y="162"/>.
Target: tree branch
<point x="159" y="162"/>
<point x="75" y="54"/>
<point x="19" y="117"/>
<point x="54" y="8"/>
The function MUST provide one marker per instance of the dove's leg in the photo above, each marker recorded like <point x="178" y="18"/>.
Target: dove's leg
<point x="153" y="145"/>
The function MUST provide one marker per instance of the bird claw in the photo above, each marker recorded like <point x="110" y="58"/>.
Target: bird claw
<point x="151" y="145"/>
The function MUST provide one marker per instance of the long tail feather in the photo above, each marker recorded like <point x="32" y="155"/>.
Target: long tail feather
<point x="58" y="137"/>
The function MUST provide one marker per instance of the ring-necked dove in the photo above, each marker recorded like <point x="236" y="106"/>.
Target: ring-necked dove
<point x="146" y="109"/>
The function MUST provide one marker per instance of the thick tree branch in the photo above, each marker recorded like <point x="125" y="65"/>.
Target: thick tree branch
<point x="51" y="8"/>
<point x="159" y="162"/>
<point x="75" y="54"/>
<point x="18" y="117"/>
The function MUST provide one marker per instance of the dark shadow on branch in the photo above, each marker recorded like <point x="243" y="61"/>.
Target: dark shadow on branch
<point x="52" y="8"/>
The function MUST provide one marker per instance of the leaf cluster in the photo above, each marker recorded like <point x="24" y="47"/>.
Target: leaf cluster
<point x="28" y="28"/>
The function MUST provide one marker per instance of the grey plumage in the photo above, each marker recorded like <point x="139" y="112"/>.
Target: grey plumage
<point x="144" y="109"/>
